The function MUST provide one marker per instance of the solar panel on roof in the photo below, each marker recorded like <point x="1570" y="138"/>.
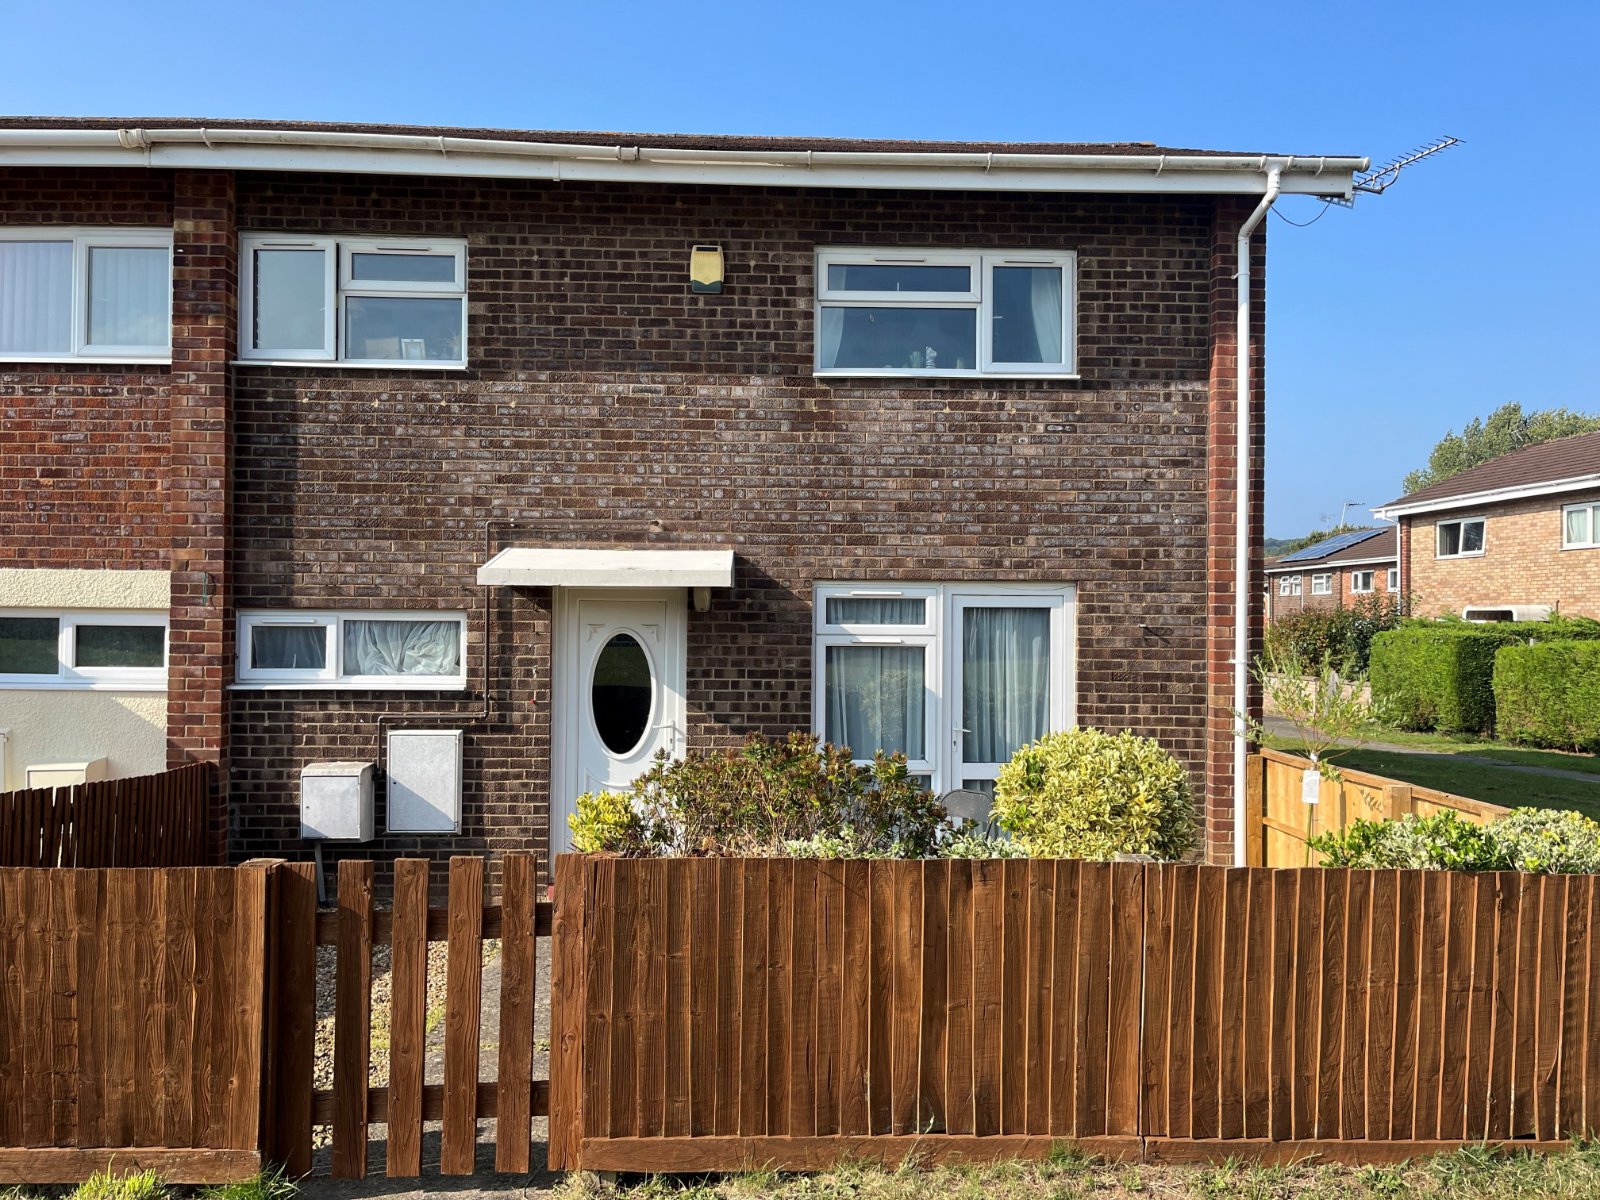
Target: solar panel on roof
<point x="1332" y="545"/>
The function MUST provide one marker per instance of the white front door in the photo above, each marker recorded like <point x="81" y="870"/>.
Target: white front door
<point x="618" y="693"/>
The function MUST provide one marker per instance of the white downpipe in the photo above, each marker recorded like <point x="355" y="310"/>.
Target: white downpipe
<point x="1241" y="533"/>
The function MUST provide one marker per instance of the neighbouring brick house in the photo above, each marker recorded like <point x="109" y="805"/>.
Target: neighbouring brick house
<point x="1517" y="536"/>
<point x="1334" y="573"/>
<point x="454" y="431"/>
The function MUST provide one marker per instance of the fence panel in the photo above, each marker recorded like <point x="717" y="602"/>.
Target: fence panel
<point x="132" y="1020"/>
<point x="141" y="821"/>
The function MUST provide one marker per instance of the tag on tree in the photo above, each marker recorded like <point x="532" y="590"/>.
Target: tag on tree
<point x="1310" y="785"/>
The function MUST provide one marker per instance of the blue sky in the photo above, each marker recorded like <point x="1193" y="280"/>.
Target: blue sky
<point x="1474" y="281"/>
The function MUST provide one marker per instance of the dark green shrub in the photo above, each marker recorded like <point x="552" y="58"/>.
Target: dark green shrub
<point x="1340" y="636"/>
<point x="759" y="799"/>
<point x="1548" y="694"/>
<point x="1437" y="675"/>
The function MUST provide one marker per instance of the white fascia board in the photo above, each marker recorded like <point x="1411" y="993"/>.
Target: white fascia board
<point x="554" y="566"/>
<point x="289" y="150"/>
<point x="1321" y="566"/>
<point x="1527" y="491"/>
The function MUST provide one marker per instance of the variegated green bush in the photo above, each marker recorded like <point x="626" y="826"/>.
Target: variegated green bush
<point x="1088" y="794"/>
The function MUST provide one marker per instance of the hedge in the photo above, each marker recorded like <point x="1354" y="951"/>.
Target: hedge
<point x="1437" y="676"/>
<point x="1548" y="694"/>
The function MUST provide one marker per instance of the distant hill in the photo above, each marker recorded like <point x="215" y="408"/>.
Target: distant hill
<point x="1277" y="546"/>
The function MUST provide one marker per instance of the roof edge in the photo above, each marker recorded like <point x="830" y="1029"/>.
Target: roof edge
<point x="1525" y="491"/>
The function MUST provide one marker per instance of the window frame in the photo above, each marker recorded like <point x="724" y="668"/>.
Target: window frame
<point x="71" y="677"/>
<point x="1372" y="582"/>
<point x="979" y="298"/>
<point x="83" y="239"/>
<point x="940" y="637"/>
<point x="1392" y="580"/>
<point x="1438" y="538"/>
<point x="1322" y="585"/>
<point x="330" y="676"/>
<point x="1593" y="509"/>
<point x="339" y="251"/>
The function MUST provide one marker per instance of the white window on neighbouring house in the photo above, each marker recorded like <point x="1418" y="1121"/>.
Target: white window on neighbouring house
<point x="1289" y="585"/>
<point x="377" y="650"/>
<point x="392" y="302"/>
<point x="945" y="313"/>
<point x="73" y="648"/>
<point x="103" y="295"/>
<point x="1460" y="539"/>
<point x="1580" y="526"/>
<point x="1322" y="585"/>
<point x="956" y="677"/>
<point x="1361" y="582"/>
<point x="1394" y="579"/>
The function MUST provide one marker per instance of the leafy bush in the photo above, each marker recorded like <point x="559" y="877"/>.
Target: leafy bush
<point x="969" y="840"/>
<point x="1341" y="637"/>
<point x="1548" y="841"/>
<point x="1548" y="694"/>
<point x="759" y="799"/>
<point x="1443" y="842"/>
<point x="1543" y="841"/>
<point x="1087" y="794"/>
<point x="1437" y="675"/>
<point x="103" y="1185"/>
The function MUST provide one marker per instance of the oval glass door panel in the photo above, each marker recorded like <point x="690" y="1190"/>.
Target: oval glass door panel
<point x="622" y="694"/>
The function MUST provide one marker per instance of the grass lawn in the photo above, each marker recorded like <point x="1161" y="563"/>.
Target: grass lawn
<point x="1445" y="743"/>
<point x="1471" y="1174"/>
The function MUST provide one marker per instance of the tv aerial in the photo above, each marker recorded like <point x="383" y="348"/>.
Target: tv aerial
<point x="1375" y="183"/>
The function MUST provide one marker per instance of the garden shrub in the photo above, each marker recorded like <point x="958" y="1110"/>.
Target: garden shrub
<point x="760" y="798"/>
<point x="1094" y="795"/>
<point x="969" y="840"/>
<point x="1548" y="694"/>
<point x="1342" y="637"/>
<point x="1437" y="675"/>
<point x="1542" y="841"/>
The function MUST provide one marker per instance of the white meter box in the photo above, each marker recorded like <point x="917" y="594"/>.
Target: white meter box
<point x="336" y="801"/>
<point x="425" y="780"/>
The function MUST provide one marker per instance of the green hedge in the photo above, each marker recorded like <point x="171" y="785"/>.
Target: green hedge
<point x="1548" y="694"/>
<point x="1437" y="676"/>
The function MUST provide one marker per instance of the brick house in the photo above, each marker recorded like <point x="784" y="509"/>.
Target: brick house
<point x="1518" y="536"/>
<point x="1334" y="573"/>
<point x="572" y="448"/>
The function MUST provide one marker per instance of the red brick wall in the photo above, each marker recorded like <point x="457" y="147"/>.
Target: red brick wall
<point x="1340" y="595"/>
<point x="83" y="458"/>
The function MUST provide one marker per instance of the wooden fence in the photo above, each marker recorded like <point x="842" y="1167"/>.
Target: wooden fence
<point x="140" y="821"/>
<point x="405" y="1101"/>
<point x="721" y="1014"/>
<point x="131" y="1022"/>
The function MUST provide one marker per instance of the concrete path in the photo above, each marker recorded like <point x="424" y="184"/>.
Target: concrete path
<point x="1282" y="728"/>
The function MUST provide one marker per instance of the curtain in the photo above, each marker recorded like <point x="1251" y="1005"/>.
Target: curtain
<point x="832" y="335"/>
<point x="128" y="296"/>
<point x="289" y="647"/>
<point x="887" y="610"/>
<point x="1047" y="312"/>
<point x="875" y="698"/>
<point x="402" y="647"/>
<point x="1578" y="525"/>
<point x="35" y="297"/>
<point x="1005" y="681"/>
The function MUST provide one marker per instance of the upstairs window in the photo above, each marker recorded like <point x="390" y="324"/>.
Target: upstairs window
<point x="1361" y="582"/>
<point x="943" y="313"/>
<point x="1288" y="585"/>
<point x="100" y="295"/>
<point x="117" y="650"/>
<point x="1322" y="585"/>
<point x="1580" y="526"/>
<point x="393" y="302"/>
<point x="1460" y="539"/>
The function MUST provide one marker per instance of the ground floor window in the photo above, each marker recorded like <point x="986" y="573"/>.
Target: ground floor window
<point x="380" y="650"/>
<point x="954" y="676"/>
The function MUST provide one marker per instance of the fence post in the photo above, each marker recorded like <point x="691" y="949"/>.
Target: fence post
<point x="1400" y="800"/>
<point x="291" y="1025"/>
<point x="567" y="956"/>
<point x="1255" y="811"/>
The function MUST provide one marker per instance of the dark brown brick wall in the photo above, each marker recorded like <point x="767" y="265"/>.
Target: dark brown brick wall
<point x="607" y="405"/>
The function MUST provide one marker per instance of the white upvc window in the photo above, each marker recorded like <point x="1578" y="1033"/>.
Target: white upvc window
<point x="1361" y="582"/>
<point x="954" y="676"/>
<point x="1580" y="526"/>
<point x="1461" y="538"/>
<point x="1394" y="579"/>
<point x="96" y="294"/>
<point x="115" y="650"/>
<point x="1322" y="585"/>
<point x="1289" y="585"/>
<point x="391" y="302"/>
<point x="384" y="651"/>
<point x="945" y="313"/>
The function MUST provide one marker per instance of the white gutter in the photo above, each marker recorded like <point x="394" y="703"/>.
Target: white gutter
<point x="1525" y="491"/>
<point x="404" y="153"/>
<point x="1241" y="532"/>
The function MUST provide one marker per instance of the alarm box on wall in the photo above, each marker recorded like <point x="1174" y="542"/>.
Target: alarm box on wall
<point x="336" y="801"/>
